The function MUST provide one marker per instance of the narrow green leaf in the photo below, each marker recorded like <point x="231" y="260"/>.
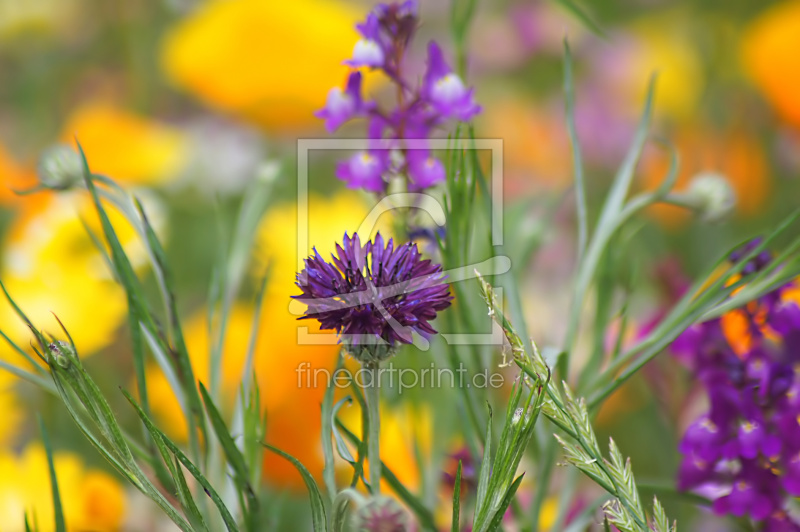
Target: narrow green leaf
<point x="184" y="362"/>
<point x="328" y="472"/>
<point x="486" y="468"/>
<point x="577" y="160"/>
<point x="507" y="498"/>
<point x="227" y="518"/>
<point x="456" y="521"/>
<point x="608" y="222"/>
<point x="341" y="446"/>
<point x="318" y="517"/>
<point x="58" y="509"/>
<point x="340" y="505"/>
<point x="232" y="452"/>
<point x="187" y="499"/>
<point x="28" y="525"/>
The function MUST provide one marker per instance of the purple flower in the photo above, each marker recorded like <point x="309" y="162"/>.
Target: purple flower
<point x="746" y="449"/>
<point x="381" y="514"/>
<point x="374" y="295"/>
<point x="371" y="49"/>
<point x="365" y="170"/>
<point x="424" y="170"/>
<point x="341" y="105"/>
<point x="445" y="90"/>
<point x="420" y="108"/>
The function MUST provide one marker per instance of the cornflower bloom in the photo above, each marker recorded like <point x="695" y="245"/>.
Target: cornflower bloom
<point x="373" y="295"/>
<point x="745" y="451"/>
<point x="442" y="96"/>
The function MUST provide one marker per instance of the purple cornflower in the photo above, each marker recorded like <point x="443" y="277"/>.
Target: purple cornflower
<point x="381" y="514"/>
<point x="373" y="295"/>
<point x="419" y="110"/>
<point x="745" y="451"/>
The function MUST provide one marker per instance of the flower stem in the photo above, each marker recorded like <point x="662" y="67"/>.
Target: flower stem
<point x="372" y="393"/>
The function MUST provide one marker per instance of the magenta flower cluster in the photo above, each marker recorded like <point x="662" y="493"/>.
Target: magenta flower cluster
<point x="419" y="110"/>
<point x="744" y="453"/>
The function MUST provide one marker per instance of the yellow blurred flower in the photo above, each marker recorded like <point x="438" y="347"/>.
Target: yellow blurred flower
<point x="270" y="62"/>
<point x="125" y="146"/>
<point x="50" y="265"/>
<point x="10" y="408"/>
<point x="548" y="513"/>
<point x="769" y="53"/>
<point x="734" y="154"/>
<point x="657" y="44"/>
<point x="328" y="219"/>
<point x="92" y="500"/>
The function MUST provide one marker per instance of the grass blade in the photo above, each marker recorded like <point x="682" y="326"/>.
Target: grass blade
<point x="318" y="516"/>
<point x="58" y="509"/>
<point x="577" y="161"/>
<point x="227" y="518"/>
<point x="456" y="525"/>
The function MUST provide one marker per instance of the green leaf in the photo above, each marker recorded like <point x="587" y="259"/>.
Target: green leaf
<point x="232" y="452"/>
<point x="187" y="499"/>
<point x="58" y="509"/>
<point x="486" y="468"/>
<point x="341" y="446"/>
<point x="328" y="472"/>
<point x="184" y="363"/>
<point x="340" y="505"/>
<point x="318" y="518"/>
<point x="507" y="498"/>
<point x="577" y="160"/>
<point x="606" y="225"/>
<point x="227" y="518"/>
<point x="28" y="525"/>
<point x="456" y="521"/>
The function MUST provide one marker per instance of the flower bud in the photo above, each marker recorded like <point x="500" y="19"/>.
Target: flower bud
<point x="60" y="167"/>
<point x="380" y="514"/>
<point x="713" y="196"/>
<point x="60" y="352"/>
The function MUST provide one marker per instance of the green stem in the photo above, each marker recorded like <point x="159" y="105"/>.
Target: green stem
<point x="373" y="395"/>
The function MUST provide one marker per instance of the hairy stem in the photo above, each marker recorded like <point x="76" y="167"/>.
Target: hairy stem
<point x="373" y="393"/>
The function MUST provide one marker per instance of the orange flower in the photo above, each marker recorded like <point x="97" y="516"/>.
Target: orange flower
<point x="535" y="145"/>
<point x="13" y="176"/>
<point x="769" y="53"/>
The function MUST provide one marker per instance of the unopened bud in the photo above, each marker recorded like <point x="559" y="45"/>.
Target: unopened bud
<point x="60" y="167"/>
<point x="713" y="196"/>
<point x="60" y="351"/>
<point x="380" y="514"/>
